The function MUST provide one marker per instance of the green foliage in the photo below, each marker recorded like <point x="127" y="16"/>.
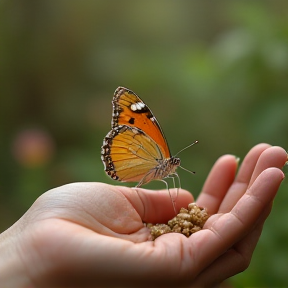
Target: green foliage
<point x="213" y="71"/>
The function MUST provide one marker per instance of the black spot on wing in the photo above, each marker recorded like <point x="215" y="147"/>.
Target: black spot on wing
<point x="131" y="120"/>
<point x="149" y="115"/>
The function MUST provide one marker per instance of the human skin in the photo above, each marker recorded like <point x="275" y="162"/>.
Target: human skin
<point x="92" y="234"/>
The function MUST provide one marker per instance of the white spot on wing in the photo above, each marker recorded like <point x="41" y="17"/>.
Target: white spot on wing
<point x="137" y="106"/>
<point x="133" y="107"/>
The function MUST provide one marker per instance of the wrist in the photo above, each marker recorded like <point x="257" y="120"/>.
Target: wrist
<point x="12" y="269"/>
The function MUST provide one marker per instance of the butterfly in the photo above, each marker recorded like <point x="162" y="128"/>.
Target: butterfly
<point x="136" y="150"/>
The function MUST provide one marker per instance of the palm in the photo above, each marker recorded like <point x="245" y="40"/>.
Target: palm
<point x="74" y="229"/>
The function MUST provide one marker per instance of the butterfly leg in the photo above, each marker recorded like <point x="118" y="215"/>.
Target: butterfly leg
<point x="174" y="184"/>
<point x="173" y="203"/>
<point x="173" y="176"/>
<point x="173" y="179"/>
<point x="179" y="182"/>
<point x="147" y="178"/>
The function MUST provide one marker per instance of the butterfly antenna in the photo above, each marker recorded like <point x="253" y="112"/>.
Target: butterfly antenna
<point x="192" y="172"/>
<point x="187" y="147"/>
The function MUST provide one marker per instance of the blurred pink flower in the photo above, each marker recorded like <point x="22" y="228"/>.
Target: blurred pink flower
<point x="33" y="147"/>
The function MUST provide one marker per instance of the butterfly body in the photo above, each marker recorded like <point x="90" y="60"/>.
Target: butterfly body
<point x="136" y="150"/>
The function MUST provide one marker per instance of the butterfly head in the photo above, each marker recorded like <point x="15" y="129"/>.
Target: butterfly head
<point x="175" y="161"/>
<point x="167" y="167"/>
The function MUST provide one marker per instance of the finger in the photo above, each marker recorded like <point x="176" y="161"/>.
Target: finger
<point x="243" y="177"/>
<point x="249" y="162"/>
<point x="236" y="259"/>
<point x="271" y="157"/>
<point x="156" y="206"/>
<point x="218" y="182"/>
<point x="256" y="161"/>
<point x="223" y="231"/>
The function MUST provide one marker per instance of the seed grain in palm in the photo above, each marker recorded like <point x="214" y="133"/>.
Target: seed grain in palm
<point x="186" y="222"/>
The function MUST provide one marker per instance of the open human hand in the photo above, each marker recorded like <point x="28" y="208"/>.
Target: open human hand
<point x="92" y="234"/>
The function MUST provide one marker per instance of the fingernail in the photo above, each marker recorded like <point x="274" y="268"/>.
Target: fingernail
<point x="237" y="159"/>
<point x="285" y="169"/>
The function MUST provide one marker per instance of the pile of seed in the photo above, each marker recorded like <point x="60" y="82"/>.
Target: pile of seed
<point x="186" y="222"/>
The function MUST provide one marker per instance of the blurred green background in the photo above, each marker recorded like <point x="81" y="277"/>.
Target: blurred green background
<point x="213" y="71"/>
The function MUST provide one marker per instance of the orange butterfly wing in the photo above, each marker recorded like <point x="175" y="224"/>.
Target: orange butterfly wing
<point x="135" y="150"/>
<point x="129" y="155"/>
<point x="130" y="110"/>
